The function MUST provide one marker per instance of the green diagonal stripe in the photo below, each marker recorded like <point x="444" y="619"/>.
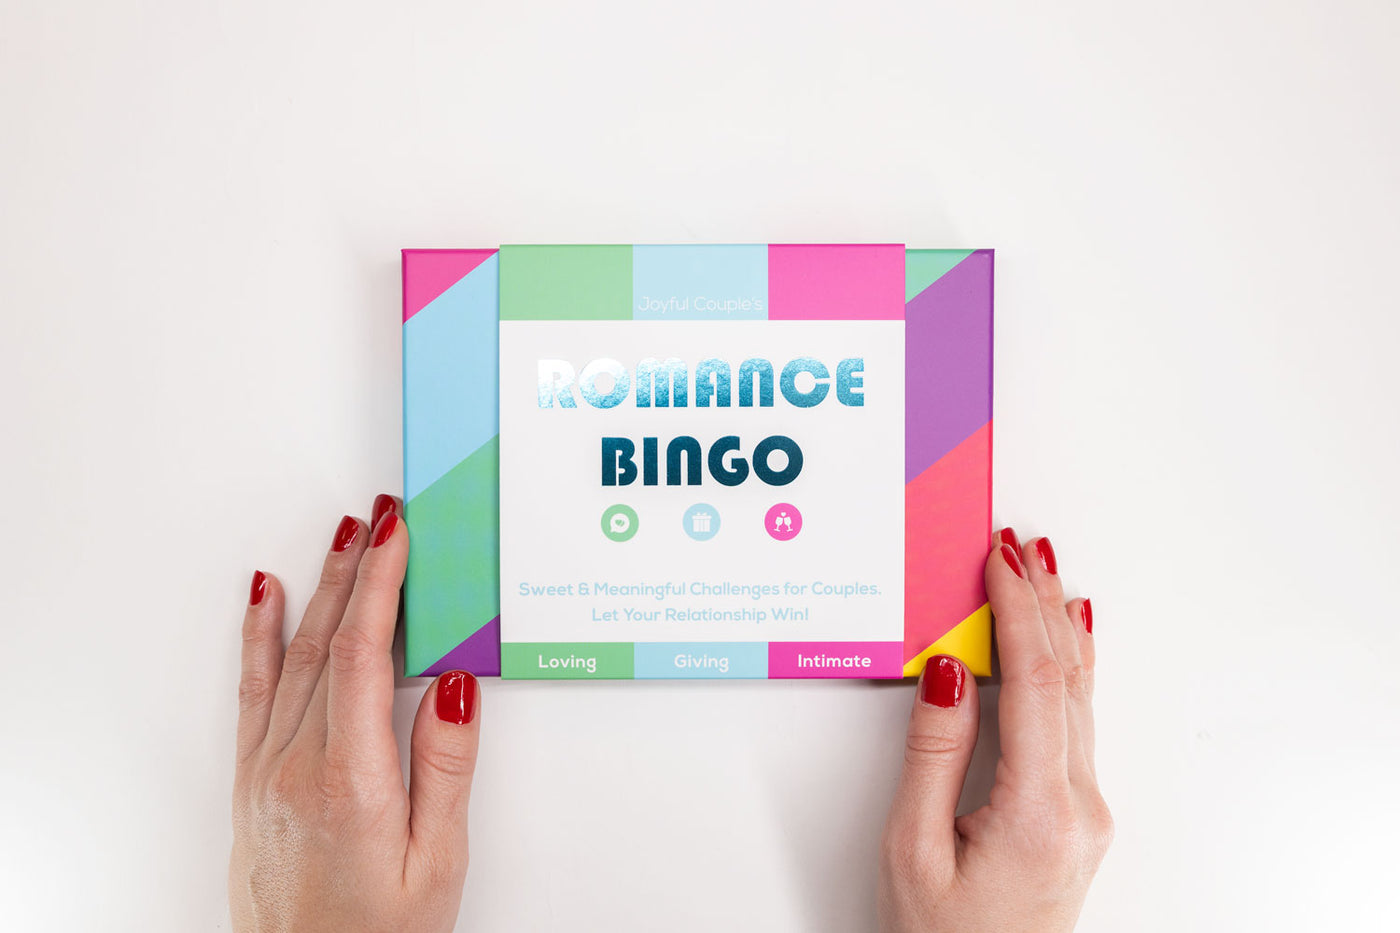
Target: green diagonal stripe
<point x="923" y="267"/>
<point x="453" y="583"/>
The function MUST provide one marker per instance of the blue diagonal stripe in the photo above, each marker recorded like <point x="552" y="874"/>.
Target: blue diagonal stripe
<point x="450" y="352"/>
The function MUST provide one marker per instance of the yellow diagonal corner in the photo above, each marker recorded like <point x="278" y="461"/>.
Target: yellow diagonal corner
<point x="970" y="641"/>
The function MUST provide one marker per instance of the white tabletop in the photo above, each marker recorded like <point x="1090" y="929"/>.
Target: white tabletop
<point x="1194" y="207"/>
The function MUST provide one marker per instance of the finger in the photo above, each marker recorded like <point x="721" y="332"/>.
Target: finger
<point x="1042" y="567"/>
<point x="1081" y="616"/>
<point x="262" y="660"/>
<point x="1082" y="612"/>
<point x="359" y="668"/>
<point x="306" y="653"/>
<point x="312" y="730"/>
<point x="383" y="505"/>
<point x="1032" y="703"/>
<point x="938" y="748"/>
<point x="442" y="763"/>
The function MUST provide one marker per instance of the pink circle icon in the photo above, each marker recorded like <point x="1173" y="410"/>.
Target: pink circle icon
<point x="783" y="521"/>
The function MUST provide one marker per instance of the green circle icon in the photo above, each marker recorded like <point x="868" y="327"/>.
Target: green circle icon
<point x="619" y="522"/>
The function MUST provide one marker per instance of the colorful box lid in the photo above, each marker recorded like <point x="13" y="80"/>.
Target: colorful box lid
<point x="829" y="376"/>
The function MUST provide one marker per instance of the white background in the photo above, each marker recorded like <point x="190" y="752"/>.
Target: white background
<point x="1194" y="206"/>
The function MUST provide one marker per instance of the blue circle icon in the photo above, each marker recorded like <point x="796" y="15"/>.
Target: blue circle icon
<point x="701" y="521"/>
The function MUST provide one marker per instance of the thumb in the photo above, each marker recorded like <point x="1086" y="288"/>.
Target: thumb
<point x="443" y="760"/>
<point x="942" y="734"/>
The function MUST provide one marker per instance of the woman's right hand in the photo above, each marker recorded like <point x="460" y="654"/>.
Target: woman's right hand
<point x="1024" y="861"/>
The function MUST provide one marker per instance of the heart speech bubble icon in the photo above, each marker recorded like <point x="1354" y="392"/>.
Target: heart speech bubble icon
<point x="619" y="522"/>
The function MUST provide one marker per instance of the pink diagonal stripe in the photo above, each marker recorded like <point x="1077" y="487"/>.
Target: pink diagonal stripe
<point x="428" y="273"/>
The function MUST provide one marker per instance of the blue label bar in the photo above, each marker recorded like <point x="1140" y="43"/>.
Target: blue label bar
<point x="700" y="283"/>
<point x="667" y="660"/>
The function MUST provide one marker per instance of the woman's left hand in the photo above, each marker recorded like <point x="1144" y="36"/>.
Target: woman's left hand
<point x="326" y="836"/>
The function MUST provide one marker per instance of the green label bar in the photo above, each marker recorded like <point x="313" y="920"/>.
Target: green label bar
<point x="566" y="660"/>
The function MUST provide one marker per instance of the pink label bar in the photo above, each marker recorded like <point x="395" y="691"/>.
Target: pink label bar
<point x="835" y="659"/>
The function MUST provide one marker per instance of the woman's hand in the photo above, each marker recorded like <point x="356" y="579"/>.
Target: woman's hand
<point x="1024" y="861"/>
<point x="325" y="836"/>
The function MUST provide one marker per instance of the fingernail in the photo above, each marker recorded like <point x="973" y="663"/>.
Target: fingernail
<point x="383" y="505"/>
<point x="1013" y="560"/>
<point x="1046" y="554"/>
<point x="1086" y="614"/>
<point x="385" y="529"/>
<point x="258" y="589"/>
<point x="345" y="534"/>
<point x="456" y="697"/>
<point x="1008" y="537"/>
<point x="943" y="681"/>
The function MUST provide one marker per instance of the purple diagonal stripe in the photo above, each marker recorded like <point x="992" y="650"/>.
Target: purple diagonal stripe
<point x="947" y="362"/>
<point x="480" y="653"/>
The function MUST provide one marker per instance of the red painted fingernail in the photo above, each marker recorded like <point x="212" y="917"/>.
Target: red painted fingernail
<point x="1046" y="554"/>
<point x="385" y="529"/>
<point x="943" y="681"/>
<point x="1013" y="560"/>
<point x="258" y="589"/>
<point x="345" y="534"/>
<point x="383" y="505"/>
<point x="456" y="697"/>
<point x="1008" y="537"/>
<point x="1086" y="613"/>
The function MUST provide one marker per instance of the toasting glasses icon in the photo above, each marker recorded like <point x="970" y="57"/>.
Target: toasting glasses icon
<point x="783" y="521"/>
